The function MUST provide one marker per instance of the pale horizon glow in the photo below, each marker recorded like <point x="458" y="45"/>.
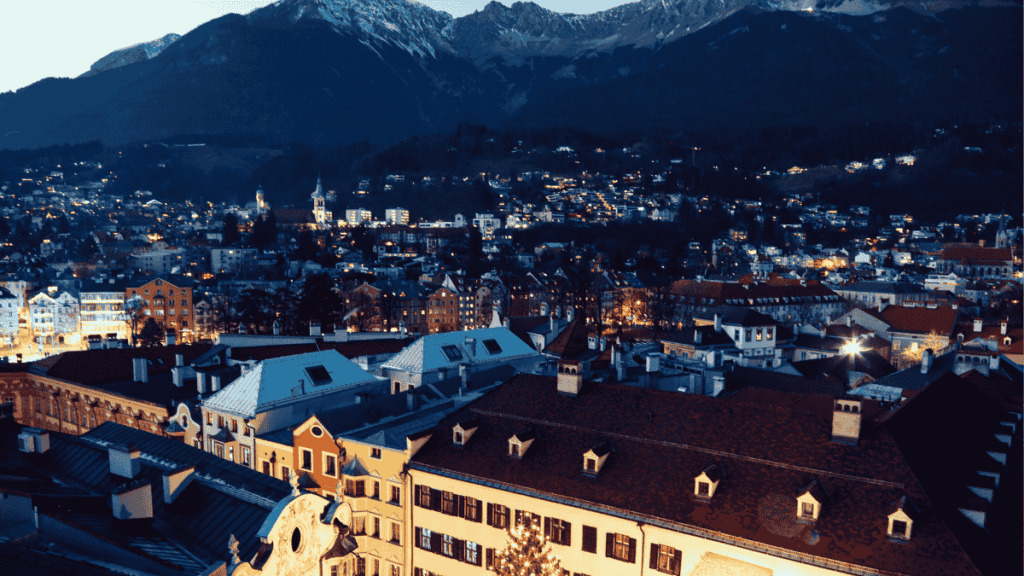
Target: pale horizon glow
<point x="63" y="38"/>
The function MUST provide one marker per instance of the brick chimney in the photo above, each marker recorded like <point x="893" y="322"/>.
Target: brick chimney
<point x="846" y="421"/>
<point x="140" y="370"/>
<point x="926" y="360"/>
<point x="125" y="460"/>
<point x="1002" y="327"/>
<point x="570" y="377"/>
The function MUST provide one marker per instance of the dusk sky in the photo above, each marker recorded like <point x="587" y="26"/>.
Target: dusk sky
<point x="44" y="38"/>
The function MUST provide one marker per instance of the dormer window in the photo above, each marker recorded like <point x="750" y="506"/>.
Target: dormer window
<point x="809" y="501"/>
<point x="706" y="483"/>
<point x="462" y="431"/>
<point x="520" y="443"/>
<point x="901" y="517"/>
<point x="595" y="458"/>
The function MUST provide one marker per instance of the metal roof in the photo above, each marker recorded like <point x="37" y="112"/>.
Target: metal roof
<point x="277" y="381"/>
<point x="428" y="353"/>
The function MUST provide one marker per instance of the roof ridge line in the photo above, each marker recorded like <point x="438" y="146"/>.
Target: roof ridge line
<point x="696" y="449"/>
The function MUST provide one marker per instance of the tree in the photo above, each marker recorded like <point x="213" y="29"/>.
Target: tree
<point x="527" y="554"/>
<point x="319" y="301"/>
<point x="152" y="334"/>
<point x="133" y="315"/>
<point x="230" y="230"/>
<point x="255" y="311"/>
<point x="914" y="352"/>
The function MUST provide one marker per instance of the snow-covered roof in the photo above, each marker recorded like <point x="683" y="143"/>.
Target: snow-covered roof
<point x="450" y="349"/>
<point x="278" y="381"/>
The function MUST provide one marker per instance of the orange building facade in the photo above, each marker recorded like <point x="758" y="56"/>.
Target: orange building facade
<point x="169" y="304"/>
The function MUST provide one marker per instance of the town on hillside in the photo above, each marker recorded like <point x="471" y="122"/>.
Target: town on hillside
<point x="672" y="383"/>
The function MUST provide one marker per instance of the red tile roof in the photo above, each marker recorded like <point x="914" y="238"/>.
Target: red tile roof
<point x="664" y="439"/>
<point x="919" y="320"/>
<point x="973" y="254"/>
<point x="96" y="366"/>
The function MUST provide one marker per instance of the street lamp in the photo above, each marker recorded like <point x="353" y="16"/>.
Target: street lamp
<point x="852" y="347"/>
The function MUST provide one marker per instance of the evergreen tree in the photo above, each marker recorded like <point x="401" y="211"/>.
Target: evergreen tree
<point x="527" y="554"/>
<point x="230" y="230"/>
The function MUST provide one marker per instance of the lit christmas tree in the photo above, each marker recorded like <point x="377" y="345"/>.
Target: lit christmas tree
<point x="527" y="554"/>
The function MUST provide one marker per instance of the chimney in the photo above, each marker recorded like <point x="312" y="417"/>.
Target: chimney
<point x="653" y="363"/>
<point x="554" y="325"/>
<point x="712" y="359"/>
<point x="179" y="359"/>
<point x="718" y="323"/>
<point x="569" y="313"/>
<point x="846" y="421"/>
<point x="214" y="382"/>
<point x="410" y="401"/>
<point x="471" y="346"/>
<point x="849" y="321"/>
<point x="977" y="325"/>
<point x="1002" y="327"/>
<point x="178" y="376"/>
<point x="881" y="307"/>
<point x="926" y="361"/>
<point x="170" y="338"/>
<point x="133" y="501"/>
<point x="201" y="381"/>
<point x="543" y="308"/>
<point x="140" y="370"/>
<point x="175" y="482"/>
<point x="314" y="327"/>
<point x="698" y="336"/>
<point x="463" y="375"/>
<point x="558" y="311"/>
<point x="402" y="329"/>
<point x="570" y="377"/>
<point x="504" y="323"/>
<point x="125" y="460"/>
<point x="620" y="367"/>
<point x="277" y="327"/>
<point x="603" y="343"/>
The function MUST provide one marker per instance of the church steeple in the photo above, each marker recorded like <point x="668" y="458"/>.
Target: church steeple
<point x="320" y="213"/>
<point x="319" y="192"/>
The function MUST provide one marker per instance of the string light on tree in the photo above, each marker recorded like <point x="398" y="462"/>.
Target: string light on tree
<point x="527" y="553"/>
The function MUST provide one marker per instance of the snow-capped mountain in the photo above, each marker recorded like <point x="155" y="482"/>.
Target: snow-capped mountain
<point x="527" y="29"/>
<point x="410" y="25"/>
<point x="132" y="54"/>
<point x="325" y="71"/>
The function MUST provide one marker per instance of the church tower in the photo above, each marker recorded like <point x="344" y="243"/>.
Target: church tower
<point x="320" y="214"/>
<point x="1002" y="237"/>
<point x="261" y="202"/>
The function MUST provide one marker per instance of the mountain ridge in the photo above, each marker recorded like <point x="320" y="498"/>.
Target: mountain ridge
<point x="289" y="73"/>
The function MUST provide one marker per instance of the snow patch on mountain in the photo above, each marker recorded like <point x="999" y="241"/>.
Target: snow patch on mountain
<point x="132" y="54"/>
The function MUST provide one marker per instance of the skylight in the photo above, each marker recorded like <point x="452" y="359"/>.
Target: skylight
<point x="318" y="375"/>
<point x="492" y="346"/>
<point x="452" y="352"/>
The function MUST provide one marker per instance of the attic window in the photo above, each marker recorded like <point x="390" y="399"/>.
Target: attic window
<point x="458" y="437"/>
<point x="492" y="346"/>
<point x="807" y="510"/>
<point x="591" y="465"/>
<point x="899" y="529"/>
<point x="703" y="489"/>
<point x="318" y="375"/>
<point x="513" y="449"/>
<point x="452" y="352"/>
